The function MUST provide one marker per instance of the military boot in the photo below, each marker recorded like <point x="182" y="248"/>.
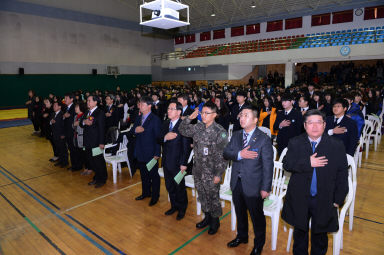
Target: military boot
<point x="214" y="226"/>
<point x="205" y="222"/>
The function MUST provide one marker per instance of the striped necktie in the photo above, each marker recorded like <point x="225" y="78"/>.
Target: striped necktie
<point x="170" y="126"/>
<point x="245" y="139"/>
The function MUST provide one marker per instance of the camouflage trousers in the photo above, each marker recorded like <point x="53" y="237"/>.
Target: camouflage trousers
<point x="209" y="196"/>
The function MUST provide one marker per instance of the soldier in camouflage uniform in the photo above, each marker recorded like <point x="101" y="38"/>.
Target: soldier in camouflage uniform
<point x="209" y="141"/>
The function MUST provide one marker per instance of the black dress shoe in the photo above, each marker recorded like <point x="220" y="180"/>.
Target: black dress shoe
<point x="255" y="251"/>
<point x="205" y="222"/>
<point x="76" y="169"/>
<point x="236" y="242"/>
<point x="57" y="164"/>
<point x="141" y="197"/>
<point x="153" y="202"/>
<point x="63" y="165"/>
<point x="70" y="168"/>
<point x="92" y="182"/>
<point x="214" y="226"/>
<point x="170" y="211"/>
<point x="180" y="215"/>
<point x="98" y="185"/>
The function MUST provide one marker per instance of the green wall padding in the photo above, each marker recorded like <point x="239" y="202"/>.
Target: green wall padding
<point x="14" y="88"/>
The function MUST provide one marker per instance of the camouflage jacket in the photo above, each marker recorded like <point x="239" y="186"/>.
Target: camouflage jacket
<point x="208" y="147"/>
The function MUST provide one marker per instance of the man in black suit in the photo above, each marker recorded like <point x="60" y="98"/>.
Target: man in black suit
<point x="252" y="169"/>
<point x="288" y="123"/>
<point x="158" y="106"/>
<point x="94" y="135"/>
<point x="241" y="97"/>
<point x="318" y="185"/>
<point x="176" y="150"/>
<point x="111" y="113"/>
<point x="183" y="100"/>
<point x="342" y="127"/>
<point x="147" y="130"/>
<point x="69" y="117"/>
<point x="58" y="135"/>
<point x="304" y="104"/>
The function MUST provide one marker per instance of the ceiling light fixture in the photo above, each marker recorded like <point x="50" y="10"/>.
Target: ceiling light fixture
<point x="213" y="12"/>
<point x="253" y="5"/>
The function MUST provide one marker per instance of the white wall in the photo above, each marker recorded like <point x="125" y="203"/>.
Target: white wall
<point x="358" y="22"/>
<point x="47" y="45"/>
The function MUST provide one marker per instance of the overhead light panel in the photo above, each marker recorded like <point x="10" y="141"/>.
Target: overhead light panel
<point x="253" y="5"/>
<point x="213" y="12"/>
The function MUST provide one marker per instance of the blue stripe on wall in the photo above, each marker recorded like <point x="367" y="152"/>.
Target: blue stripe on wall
<point x="58" y="13"/>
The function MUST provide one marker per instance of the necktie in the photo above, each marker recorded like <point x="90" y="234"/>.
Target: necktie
<point x="314" y="178"/>
<point x="245" y="140"/>
<point x="89" y="113"/>
<point x="170" y="126"/>
<point x="142" y="120"/>
<point x="336" y="121"/>
<point x="286" y="113"/>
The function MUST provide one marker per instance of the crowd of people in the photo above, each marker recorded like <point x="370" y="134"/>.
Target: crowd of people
<point x="179" y="119"/>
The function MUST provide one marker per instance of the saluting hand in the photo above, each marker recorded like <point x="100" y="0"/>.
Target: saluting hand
<point x="194" y="114"/>
<point x="318" y="161"/>
<point x="246" y="154"/>
<point x="67" y="115"/>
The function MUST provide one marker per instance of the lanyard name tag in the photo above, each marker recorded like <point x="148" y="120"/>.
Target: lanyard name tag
<point x="205" y="151"/>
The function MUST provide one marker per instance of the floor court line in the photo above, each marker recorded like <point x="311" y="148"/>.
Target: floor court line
<point x="32" y="224"/>
<point x="96" y="235"/>
<point x="103" y="249"/>
<point x="196" y="236"/>
<point x="100" y="197"/>
<point x="37" y="193"/>
<point x="30" y="179"/>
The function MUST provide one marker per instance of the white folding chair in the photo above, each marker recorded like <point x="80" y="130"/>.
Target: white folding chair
<point x="266" y="130"/>
<point x="358" y="153"/>
<point x="274" y="153"/>
<point x="376" y="134"/>
<point x="120" y="157"/>
<point x="353" y="170"/>
<point x="226" y="194"/>
<point x="274" y="203"/>
<point x="367" y="133"/>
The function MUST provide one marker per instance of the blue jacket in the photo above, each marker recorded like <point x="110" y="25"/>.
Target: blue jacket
<point x="355" y="113"/>
<point x="146" y="145"/>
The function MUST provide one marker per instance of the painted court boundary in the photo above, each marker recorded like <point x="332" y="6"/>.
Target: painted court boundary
<point x="196" y="236"/>
<point x="32" y="224"/>
<point x="56" y="214"/>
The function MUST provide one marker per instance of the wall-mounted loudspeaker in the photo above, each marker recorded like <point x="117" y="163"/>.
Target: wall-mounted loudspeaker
<point x="94" y="71"/>
<point x="21" y="71"/>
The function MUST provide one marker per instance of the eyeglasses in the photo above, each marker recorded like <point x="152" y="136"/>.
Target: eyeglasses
<point x="206" y="113"/>
<point x="172" y="109"/>
<point x="317" y="123"/>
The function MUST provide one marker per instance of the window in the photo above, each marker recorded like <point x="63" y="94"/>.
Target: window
<point x="179" y="39"/>
<point x="275" y="25"/>
<point x="321" y="19"/>
<point x="218" y="34"/>
<point x="376" y="12"/>
<point x="190" y="38"/>
<point x="342" y="17"/>
<point x="237" y="31"/>
<point x="253" y="29"/>
<point x="205" y="36"/>
<point x="294" y="23"/>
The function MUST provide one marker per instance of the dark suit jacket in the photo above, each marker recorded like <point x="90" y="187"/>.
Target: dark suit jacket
<point x="159" y="109"/>
<point x="256" y="173"/>
<point x="68" y="122"/>
<point x="146" y="143"/>
<point x="58" y="127"/>
<point x="175" y="152"/>
<point x="350" y="138"/>
<point x="94" y="134"/>
<point x="287" y="133"/>
<point x="332" y="183"/>
<point x="187" y="111"/>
